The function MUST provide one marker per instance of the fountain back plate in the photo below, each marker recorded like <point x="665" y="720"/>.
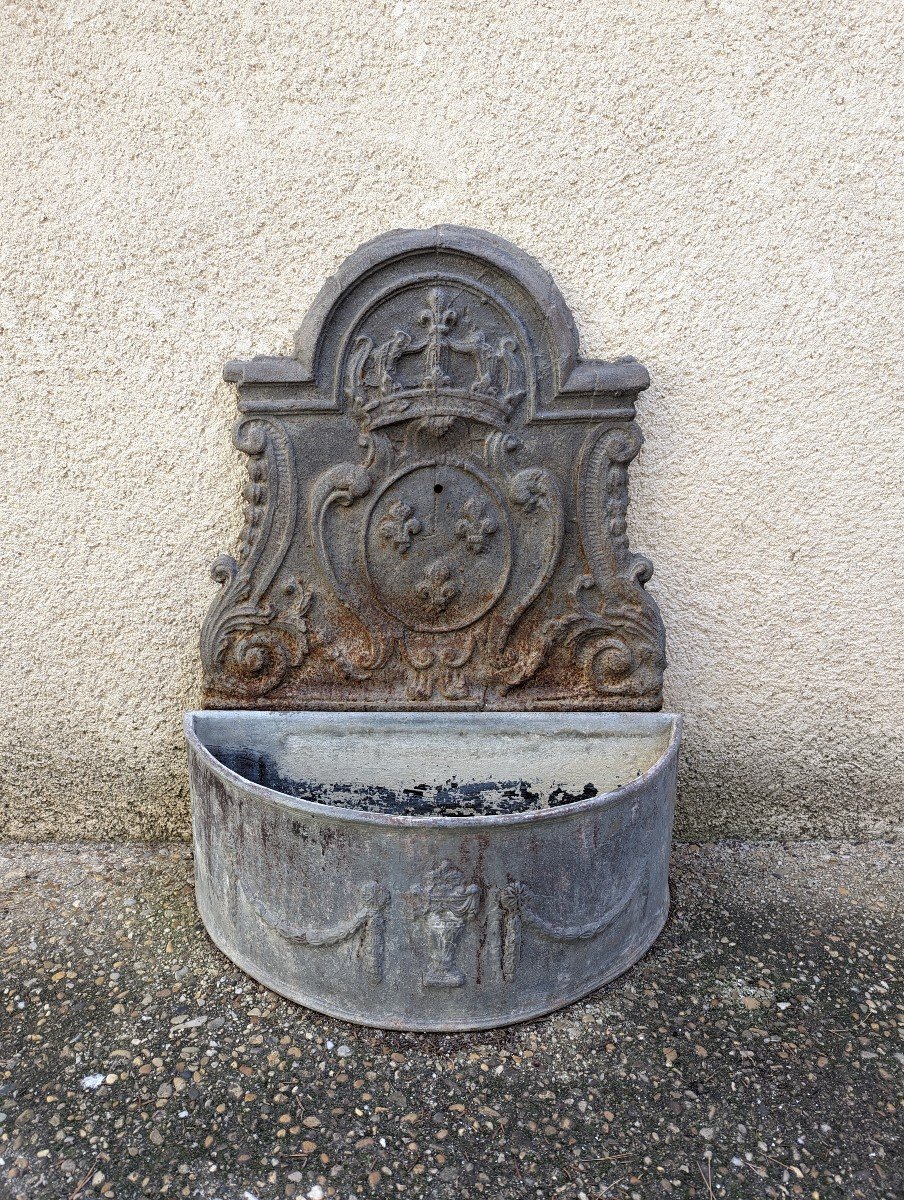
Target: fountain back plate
<point x="437" y="497"/>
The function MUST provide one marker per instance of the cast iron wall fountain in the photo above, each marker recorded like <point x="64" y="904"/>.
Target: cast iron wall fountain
<point x="431" y="787"/>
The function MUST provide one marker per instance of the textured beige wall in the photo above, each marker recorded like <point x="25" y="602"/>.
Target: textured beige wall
<point x="711" y="183"/>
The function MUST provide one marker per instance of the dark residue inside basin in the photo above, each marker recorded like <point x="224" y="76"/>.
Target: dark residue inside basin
<point x="452" y="798"/>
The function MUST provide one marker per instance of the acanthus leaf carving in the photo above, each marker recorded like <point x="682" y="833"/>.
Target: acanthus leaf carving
<point x="621" y="645"/>
<point x="260" y="644"/>
<point x="344" y="486"/>
<point x="253" y="636"/>
<point x="535" y="491"/>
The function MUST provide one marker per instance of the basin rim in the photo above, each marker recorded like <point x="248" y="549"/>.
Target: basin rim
<point x="554" y="722"/>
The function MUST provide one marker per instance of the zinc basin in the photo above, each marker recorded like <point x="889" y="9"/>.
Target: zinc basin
<point x="432" y="871"/>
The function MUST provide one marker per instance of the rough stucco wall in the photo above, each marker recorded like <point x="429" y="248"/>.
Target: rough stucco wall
<point x="712" y="185"/>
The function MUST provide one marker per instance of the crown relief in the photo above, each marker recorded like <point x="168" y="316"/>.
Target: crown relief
<point x="450" y="370"/>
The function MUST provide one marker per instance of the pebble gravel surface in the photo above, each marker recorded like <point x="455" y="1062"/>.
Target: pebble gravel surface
<point x="751" y="1053"/>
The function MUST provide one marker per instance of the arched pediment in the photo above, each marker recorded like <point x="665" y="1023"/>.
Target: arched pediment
<point x="458" y="262"/>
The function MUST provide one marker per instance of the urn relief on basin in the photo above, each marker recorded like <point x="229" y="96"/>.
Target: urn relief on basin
<point x="431" y="785"/>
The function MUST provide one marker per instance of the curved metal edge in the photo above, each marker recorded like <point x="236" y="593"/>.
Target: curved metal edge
<point x="401" y="1026"/>
<point x="338" y="813"/>
<point x="575" y="376"/>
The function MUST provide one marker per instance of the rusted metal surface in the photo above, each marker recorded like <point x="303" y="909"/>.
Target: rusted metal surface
<point x="438" y="922"/>
<point x="437" y="498"/>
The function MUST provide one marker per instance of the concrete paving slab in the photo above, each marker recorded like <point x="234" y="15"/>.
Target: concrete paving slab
<point x="749" y="1054"/>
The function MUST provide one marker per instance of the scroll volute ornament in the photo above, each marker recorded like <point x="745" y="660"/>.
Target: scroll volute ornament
<point x="437" y="499"/>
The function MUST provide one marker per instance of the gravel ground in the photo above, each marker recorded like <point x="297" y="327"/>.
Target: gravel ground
<point x="749" y="1054"/>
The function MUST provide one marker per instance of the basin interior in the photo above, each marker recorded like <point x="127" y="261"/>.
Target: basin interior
<point x="437" y="764"/>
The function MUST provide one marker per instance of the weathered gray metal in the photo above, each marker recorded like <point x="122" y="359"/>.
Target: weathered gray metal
<point x="437" y="500"/>
<point x="432" y="922"/>
<point x="435" y="520"/>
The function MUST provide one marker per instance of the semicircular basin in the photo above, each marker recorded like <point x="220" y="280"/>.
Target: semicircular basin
<point x="432" y="871"/>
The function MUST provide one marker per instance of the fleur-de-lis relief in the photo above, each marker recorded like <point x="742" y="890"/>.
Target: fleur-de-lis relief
<point x="399" y="525"/>
<point x="445" y="903"/>
<point x="474" y="527"/>
<point x="437" y="589"/>
<point x="439" y="321"/>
